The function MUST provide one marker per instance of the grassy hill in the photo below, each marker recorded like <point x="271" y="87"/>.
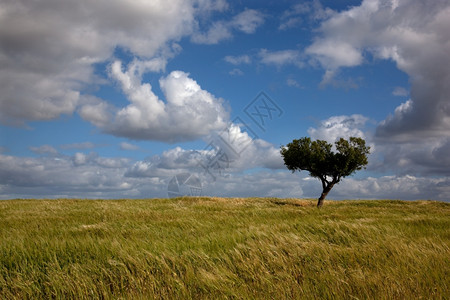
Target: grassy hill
<point x="191" y="248"/>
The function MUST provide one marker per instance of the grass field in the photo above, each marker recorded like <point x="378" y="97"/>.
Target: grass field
<point x="194" y="248"/>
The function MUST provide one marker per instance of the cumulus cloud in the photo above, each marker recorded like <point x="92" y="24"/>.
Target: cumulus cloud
<point x="87" y="175"/>
<point x="44" y="149"/>
<point x="245" y="151"/>
<point x="258" y="184"/>
<point x="414" y="35"/>
<point x="188" y="113"/>
<point x="81" y="146"/>
<point x="336" y="127"/>
<point x="346" y="126"/>
<point x="228" y="151"/>
<point x="330" y="78"/>
<point x="237" y="60"/>
<point x="333" y="54"/>
<point x="236" y="72"/>
<point x="298" y="13"/>
<point x="48" y="49"/>
<point x="427" y="158"/>
<point x="128" y="146"/>
<point x="293" y="83"/>
<point x="247" y="22"/>
<point x="47" y="58"/>
<point x="400" y="91"/>
<point x="404" y="187"/>
<point x="80" y="159"/>
<point x="218" y="32"/>
<point x="81" y="175"/>
<point x="281" y="57"/>
<point x="414" y="158"/>
<point x="293" y="17"/>
<point x="169" y="163"/>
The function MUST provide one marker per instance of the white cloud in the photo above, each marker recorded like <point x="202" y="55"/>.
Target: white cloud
<point x="90" y="176"/>
<point x="228" y="151"/>
<point x="237" y="60"/>
<point x="290" y="23"/>
<point x="44" y="149"/>
<point x="80" y="159"/>
<point x="82" y="175"/>
<point x="128" y="146"/>
<point x="246" y="152"/>
<point x="236" y="72"/>
<point x="293" y="83"/>
<point x="247" y="22"/>
<point x="48" y="58"/>
<point x="306" y="11"/>
<point x="293" y="17"/>
<point x="48" y="49"/>
<point x="98" y="113"/>
<point x="400" y="91"/>
<point x="336" y="127"/>
<point x="259" y="184"/>
<point x="213" y="5"/>
<point x="169" y="163"/>
<point x="413" y="34"/>
<point x="218" y="32"/>
<point x="189" y="113"/>
<point x="429" y="157"/>
<point x="393" y="187"/>
<point x="331" y="78"/>
<point x="81" y="146"/>
<point x="281" y="57"/>
<point x="333" y="54"/>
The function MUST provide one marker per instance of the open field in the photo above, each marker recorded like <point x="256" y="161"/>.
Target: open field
<point x="191" y="248"/>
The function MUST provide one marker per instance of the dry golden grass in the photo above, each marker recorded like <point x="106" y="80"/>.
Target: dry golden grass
<point x="194" y="248"/>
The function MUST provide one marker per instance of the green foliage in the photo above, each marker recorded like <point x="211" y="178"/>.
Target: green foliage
<point x="216" y="248"/>
<point x="318" y="158"/>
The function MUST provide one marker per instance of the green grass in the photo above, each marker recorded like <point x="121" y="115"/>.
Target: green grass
<point x="191" y="248"/>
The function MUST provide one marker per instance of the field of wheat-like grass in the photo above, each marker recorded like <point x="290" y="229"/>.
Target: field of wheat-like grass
<point x="195" y="248"/>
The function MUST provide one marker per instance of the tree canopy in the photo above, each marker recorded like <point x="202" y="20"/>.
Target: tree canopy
<point x="319" y="159"/>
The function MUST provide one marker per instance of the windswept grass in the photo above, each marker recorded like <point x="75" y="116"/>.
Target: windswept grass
<point x="191" y="248"/>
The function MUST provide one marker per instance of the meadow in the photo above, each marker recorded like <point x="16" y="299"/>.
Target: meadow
<point x="224" y="248"/>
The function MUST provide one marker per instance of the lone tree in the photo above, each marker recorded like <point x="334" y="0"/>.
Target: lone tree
<point x="318" y="158"/>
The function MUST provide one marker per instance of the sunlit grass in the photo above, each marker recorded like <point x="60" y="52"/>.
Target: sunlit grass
<point x="192" y="248"/>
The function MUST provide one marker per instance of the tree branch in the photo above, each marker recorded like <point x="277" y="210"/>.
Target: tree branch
<point x="324" y="182"/>
<point x="336" y="179"/>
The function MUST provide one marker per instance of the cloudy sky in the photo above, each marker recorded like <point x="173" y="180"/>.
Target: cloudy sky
<point x="114" y="99"/>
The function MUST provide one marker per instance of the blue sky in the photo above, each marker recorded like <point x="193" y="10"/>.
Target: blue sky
<point x="115" y="99"/>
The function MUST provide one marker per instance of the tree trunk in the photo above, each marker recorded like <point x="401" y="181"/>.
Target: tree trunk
<point x="327" y="188"/>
